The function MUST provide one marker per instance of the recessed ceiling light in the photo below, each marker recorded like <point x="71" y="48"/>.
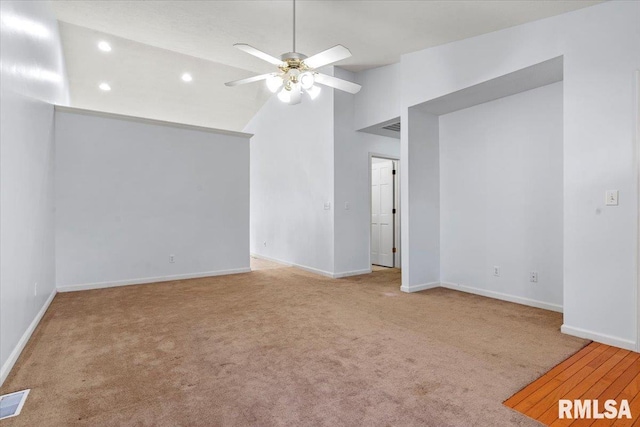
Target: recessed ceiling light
<point x="186" y="77"/>
<point x="104" y="46"/>
<point x="105" y="87"/>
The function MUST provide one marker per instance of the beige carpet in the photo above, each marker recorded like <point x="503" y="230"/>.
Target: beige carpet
<point x="280" y="346"/>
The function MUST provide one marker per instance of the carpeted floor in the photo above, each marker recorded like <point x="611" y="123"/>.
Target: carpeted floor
<point x="280" y="346"/>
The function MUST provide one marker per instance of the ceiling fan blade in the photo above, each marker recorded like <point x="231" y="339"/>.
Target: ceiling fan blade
<point x="337" y="83"/>
<point x="258" y="53"/>
<point x="329" y="56"/>
<point x="248" y="80"/>
<point x="296" y="95"/>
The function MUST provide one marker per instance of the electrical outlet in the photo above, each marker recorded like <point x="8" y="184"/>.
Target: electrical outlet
<point x="533" y="277"/>
<point x="612" y="198"/>
<point x="496" y="271"/>
<point x="172" y="258"/>
<point x="265" y="243"/>
<point x="346" y="205"/>
<point x="35" y="290"/>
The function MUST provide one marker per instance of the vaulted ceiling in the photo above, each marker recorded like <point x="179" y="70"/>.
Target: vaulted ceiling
<point x="155" y="42"/>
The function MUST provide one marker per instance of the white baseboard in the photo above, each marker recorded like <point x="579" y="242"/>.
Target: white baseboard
<point x="141" y="281"/>
<point x="417" y="288"/>
<point x="503" y="297"/>
<point x="268" y="258"/>
<point x="351" y="273"/>
<point x="601" y="338"/>
<point x="13" y="357"/>
<point x="311" y="269"/>
<point x="293" y="264"/>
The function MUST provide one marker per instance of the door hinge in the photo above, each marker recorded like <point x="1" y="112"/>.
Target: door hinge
<point x="393" y="211"/>
<point x="394" y="172"/>
<point x="394" y="250"/>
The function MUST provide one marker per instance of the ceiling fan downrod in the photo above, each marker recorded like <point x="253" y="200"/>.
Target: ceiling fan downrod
<point x="297" y="73"/>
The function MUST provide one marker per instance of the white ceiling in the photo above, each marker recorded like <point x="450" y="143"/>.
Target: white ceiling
<point x="200" y="35"/>
<point x="146" y="82"/>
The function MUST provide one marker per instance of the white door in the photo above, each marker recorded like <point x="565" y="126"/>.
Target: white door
<point x="382" y="225"/>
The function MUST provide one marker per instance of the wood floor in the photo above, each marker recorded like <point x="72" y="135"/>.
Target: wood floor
<point x="597" y="371"/>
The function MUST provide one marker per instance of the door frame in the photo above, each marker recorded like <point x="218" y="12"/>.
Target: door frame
<point x="396" y="196"/>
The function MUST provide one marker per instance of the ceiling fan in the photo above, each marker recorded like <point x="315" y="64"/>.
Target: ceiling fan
<point x="297" y="73"/>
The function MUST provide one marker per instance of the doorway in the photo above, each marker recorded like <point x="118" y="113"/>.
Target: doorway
<point x="385" y="213"/>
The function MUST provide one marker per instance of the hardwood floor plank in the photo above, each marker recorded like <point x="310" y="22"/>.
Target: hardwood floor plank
<point x="576" y="392"/>
<point x="616" y="389"/>
<point x="635" y="413"/>
<point x="635" y="410"/>
<point x="597" y="372"/>
<point x="563" y="376"/>
<point x="631" y="390"/>
<point x="549" y="394"/>
<point x="552" y="399"/>
<point x="531" y="388"/>
<point x="615" y="378"/>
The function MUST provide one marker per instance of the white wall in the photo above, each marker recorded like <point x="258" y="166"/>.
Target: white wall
<point x="351" y="167"/>
<point x="420" y="201"/>
<point x="601" y="48"/>
<point x="379" y="98"/>
<point x="32" y="77"/>
<point x="501" y="196"/>
<point x="303" y="156"/>
<point x="291" y="180"/>
<point x="131" y="193"/>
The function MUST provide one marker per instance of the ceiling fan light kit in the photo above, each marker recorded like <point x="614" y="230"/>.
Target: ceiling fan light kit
<point x="297" y="73"/>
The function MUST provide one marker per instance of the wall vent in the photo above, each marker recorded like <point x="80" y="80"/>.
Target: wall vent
<point x="394" y="127"/>
<point x="11" y="404"/>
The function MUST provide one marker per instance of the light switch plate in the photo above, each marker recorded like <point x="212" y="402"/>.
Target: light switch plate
<point x="612" y="198"/>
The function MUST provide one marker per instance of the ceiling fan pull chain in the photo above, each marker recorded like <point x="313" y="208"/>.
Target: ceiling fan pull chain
<point x="294" y="25"/>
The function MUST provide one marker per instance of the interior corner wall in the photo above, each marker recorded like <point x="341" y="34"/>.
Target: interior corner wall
<point x="130" y="194"/>
<point x="352" y="185"/>
<point x="501" y="197"/>
<point x="292" y="182"/>
<point x="601" y="49"/>
<point x="379" y="99"/>
<point x="420" y="200"/>
<point x="32" y="79"/>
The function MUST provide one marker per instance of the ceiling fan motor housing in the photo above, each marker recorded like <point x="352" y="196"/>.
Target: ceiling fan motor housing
<point x="293" y="65"/>
<point x="293" y="61"/>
